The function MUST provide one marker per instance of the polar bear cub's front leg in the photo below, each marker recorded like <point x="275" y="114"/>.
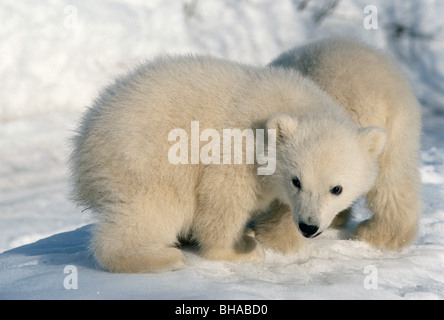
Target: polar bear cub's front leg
<point x="221" y="216"/>
<point x="394" y="199"/>
<point x="276" y="229"/>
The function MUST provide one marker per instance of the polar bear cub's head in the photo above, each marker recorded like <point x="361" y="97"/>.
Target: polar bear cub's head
<point x="323" y="165"/>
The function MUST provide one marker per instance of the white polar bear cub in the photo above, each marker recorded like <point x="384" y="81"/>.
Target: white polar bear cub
<point x="374" y="93"/>
<point x="145" y="203"/>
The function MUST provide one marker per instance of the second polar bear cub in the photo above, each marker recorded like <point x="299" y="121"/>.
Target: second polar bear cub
<point x="145" y="203"/>
<point x="374" y="92"/>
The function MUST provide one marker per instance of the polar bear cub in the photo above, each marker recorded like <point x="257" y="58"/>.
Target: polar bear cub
<point x="144" y="202"/>
<point x="374" y="93"/>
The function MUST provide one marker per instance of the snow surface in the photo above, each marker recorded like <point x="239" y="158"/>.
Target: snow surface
<point x="56" y="55"/>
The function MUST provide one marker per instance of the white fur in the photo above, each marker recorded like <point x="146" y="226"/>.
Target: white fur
<point x="120" y="166"/>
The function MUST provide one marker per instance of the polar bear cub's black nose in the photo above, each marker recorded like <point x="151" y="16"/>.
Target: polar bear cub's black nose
<point x="308" y="230"/>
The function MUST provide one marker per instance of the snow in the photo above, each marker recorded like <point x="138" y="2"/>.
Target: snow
<point x="56" y="56"/>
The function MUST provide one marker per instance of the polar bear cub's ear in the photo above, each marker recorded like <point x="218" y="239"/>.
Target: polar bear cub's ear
<point x="284" y="124"/>
<point x="374" y="138"/>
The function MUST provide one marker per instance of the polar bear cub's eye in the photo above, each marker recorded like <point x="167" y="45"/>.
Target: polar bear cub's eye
<point x="336" y="190"/>
<point x="296" y="182"/>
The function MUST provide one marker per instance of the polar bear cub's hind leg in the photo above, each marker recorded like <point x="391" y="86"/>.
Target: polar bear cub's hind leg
<point x="117" y="253"/>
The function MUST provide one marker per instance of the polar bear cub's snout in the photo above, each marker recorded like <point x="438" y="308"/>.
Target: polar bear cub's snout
<point x="308" y="230"/>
